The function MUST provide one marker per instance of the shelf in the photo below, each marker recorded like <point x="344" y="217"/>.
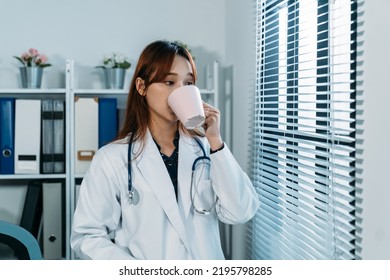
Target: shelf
<point x="33" y="91"/>
<point x="121" y="91"/>
<point x="207" y="91"/>
<point x="32" y="176"/>
<point x="101" y="91"/>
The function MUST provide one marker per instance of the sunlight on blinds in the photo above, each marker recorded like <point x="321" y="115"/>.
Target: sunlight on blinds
<point x="303" y="164"/>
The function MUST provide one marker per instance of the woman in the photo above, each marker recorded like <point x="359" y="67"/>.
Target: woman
<point x="172" y="215"/>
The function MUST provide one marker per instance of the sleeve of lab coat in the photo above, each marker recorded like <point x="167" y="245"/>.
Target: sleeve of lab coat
<point x="98" y="212"/>
<point x="237" y="198"/>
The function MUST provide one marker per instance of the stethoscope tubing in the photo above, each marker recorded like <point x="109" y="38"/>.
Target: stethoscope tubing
<point x="133" y="195"/>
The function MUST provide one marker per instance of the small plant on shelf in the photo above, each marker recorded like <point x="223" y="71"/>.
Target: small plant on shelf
<point x="33" y="58"/>
<point x="115" y="60"/>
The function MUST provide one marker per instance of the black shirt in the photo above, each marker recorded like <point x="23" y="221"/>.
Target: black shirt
<point x="171" y="162"/>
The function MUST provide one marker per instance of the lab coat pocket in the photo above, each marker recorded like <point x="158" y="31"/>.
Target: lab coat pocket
<point x="203" y="195"/>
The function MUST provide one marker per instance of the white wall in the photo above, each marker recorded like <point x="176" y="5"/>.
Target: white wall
<point x="86" y="30"/>
<point x="376" y="132"/>
<point x="241" y="54"/>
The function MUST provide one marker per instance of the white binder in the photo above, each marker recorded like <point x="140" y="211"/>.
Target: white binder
<point x="86" y="132"/>
<point x="27" y="136"/>
<point x="52" y="220"/>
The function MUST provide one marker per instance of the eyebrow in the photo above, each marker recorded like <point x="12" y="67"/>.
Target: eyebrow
<point x="175" y="74"/>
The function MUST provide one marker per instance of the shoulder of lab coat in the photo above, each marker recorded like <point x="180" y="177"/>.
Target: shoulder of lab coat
<point x="237" y="197"/>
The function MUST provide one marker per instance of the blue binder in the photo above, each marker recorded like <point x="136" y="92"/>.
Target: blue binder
<point x="107" y="120"/>
<point x="7" y="135"/>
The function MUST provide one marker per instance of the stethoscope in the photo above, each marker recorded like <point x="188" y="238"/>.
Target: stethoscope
<point x="203" y="161"/>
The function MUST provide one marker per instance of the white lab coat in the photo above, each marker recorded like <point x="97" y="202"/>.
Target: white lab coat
<point x="158" y="227"/>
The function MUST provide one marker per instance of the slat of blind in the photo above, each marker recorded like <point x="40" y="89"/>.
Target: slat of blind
<point x="315" y="232"/>
<point x="280" y="153"/>
<point x="273" y="38"/>
<point x="306" y="248"/>
<point x="297" y="133"/>
<point x="308" y="193"/>
<point x="317" y="235"/>
<point x="304" y="127"/>
<point x="307" y="181"/>
<point x="309" y="8"/>
<point x="304" y="146"/>
<point x="304" y="174"/>
<point x="274" y="53"/>
<point x="315" y="229"/>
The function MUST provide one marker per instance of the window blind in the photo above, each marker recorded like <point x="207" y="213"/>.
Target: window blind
<point x="303" y="130"/>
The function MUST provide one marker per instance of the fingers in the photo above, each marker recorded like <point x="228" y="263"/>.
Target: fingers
<point x="209" y="110"/>
<point x="212" y="116"/>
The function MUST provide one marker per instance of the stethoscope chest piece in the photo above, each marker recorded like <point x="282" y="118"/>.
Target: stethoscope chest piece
<point x="202" y="211"/>
<point x="133" y="197"/>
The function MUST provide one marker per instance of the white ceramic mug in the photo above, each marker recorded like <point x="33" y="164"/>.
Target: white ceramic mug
<point x="186" y="103"/>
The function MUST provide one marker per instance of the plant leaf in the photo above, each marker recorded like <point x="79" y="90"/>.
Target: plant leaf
<point x="18" y="58"/>
<point x="125" y="65"/>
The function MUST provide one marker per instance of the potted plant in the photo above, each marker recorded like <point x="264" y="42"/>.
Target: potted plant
<point x="32" y="70"/>
<point x="115" y="66"/>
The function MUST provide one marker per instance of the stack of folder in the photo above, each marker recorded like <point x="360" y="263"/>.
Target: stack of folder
<point x="96" y="122"/>
<point x="32" y="134"/>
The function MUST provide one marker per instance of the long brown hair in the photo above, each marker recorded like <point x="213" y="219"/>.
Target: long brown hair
<point x="153" y="66"/>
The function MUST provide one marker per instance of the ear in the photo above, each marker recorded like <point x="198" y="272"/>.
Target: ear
<point x="140" y="86"/>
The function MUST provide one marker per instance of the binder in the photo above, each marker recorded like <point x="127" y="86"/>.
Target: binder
<point x="27" y="136"/>
<point x="32" y="209"/>
<point x="47" y="162"/>
<point x="52" y="233"/>
<point x="7" y="133"/>
<point x="108" y="120"/>
<point x="53" y="137"/>
<point x="59" y="136"/>
<point x="121" y="117"/>
<point x="86" y="132"/>
<point x="77" y="186"/>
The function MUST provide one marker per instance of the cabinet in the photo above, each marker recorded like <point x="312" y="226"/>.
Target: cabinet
<point x="68" y="94"/>
<point x="14" y="187"/>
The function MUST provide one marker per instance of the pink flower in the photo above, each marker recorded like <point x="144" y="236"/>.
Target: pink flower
<point x="33" y="58"/>
<point x="33" y="52"/>
<point x="41" y="59"/>
<point x="25" y="56"/>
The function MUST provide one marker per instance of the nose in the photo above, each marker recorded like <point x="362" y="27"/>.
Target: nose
<point x="178" y="84"/>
